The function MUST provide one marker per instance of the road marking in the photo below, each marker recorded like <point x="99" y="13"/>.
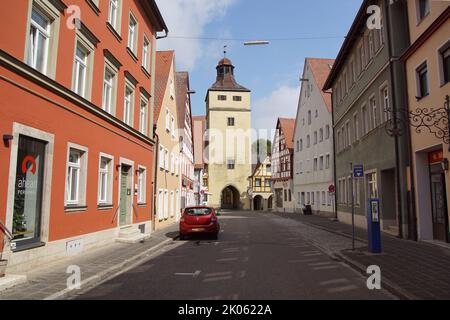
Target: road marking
<point x="319" y="264"/>
<point x="218" y="274"/>
<point x="312" y="254"/>
<point x="243" y="274"/>
<point x="227" y="260"/>
<point x="216" y="279"/>
<point x="194" y="275"/>
<point x="335" y="281"/>
<point x="325" y="268"/>
<point x="342" y="289"/>
<point x="302" y="260"/>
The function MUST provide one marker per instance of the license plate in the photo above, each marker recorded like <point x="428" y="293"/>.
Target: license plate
<point x="198" y="230"/>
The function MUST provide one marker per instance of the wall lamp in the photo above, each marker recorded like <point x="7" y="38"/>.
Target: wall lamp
<point x="445" y="164"/>
<point x="7" y="138"/>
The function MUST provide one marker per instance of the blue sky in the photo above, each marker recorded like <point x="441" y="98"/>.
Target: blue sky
<point x="272" y="71"/>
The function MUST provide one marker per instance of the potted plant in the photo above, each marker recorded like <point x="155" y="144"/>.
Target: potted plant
<point x="3" y="263"/>
<point x="6" y="237"/>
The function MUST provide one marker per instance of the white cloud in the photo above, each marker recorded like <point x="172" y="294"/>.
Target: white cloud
<point x="281" y="103"/>
<point x="189" y="18"/>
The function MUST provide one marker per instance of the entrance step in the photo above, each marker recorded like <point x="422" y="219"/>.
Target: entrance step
<point x="130" y="235"/>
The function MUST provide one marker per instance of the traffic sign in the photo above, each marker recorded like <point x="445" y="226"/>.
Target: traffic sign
<point x="358" y="171"/>
<point x="332" y="189"/>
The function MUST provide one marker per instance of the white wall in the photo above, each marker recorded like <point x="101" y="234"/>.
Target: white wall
<point x="305" y="178"/>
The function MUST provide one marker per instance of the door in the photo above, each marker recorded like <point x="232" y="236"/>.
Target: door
<point x="27" y="211"/>
<point x="439" y="203"/>
<point x="125" y="196"/>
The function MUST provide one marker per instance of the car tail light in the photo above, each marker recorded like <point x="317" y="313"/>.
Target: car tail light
<point x="213" y="219"/>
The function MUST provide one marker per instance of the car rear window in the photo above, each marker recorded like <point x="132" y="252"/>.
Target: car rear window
<point x="198" y="211"/>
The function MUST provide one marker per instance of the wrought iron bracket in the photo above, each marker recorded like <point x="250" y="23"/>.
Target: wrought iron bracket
<point x="434" y="121"/>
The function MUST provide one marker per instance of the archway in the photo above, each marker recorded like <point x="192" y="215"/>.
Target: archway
<point x="270" y="203"/>
<point x="258" y="203"/>
<point x="230" y="198"/>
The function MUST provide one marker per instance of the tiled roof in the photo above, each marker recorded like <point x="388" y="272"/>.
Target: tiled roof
<point x="320" y="69"/>
<point x="288" y="126"/>
<point x="163" y="64"/>
<point x="198" y="132"/>
<point x="226" y="81"/>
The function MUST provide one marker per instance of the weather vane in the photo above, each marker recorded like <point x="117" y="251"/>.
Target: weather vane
<point x="225" y="51"/>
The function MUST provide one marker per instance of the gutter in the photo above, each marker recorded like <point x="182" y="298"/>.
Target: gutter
<point x="155" y="177"/>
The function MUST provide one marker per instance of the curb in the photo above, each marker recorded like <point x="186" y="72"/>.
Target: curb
<point x="112" y="271"/>
<point x="386" y="283"/>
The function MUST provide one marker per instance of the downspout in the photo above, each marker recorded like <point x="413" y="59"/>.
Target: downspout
<point x="395" y="119"/>
<point x="334" y="165"/>
<point x="155" y="176"/>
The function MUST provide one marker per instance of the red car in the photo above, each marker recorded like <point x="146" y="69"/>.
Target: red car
<point x="199" y="220"/>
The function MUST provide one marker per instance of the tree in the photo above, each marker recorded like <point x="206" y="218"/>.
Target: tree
<point x="261" y="149"/>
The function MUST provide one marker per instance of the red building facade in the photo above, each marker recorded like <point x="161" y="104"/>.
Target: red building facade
<point x="77" y="156"/>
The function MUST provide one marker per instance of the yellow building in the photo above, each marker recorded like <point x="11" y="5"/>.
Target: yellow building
<point x="168" y="175"/>
<point x="428" y="80"/>
<point x="261" y="186"/>
<point x="229" y="140"/>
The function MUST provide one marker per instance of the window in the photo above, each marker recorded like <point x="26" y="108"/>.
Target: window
<point x="362" y="56"/>
<point x="374" y="110"/>
<point x="108" y="89"/>
<point x="355" y="127"/>
<point x="371" y="45"/>
<point x="423" y="9"/>
<point x="365" y="119"/>
<point x="128" y="106"/>
<point x="172" y="204"/>
<point x="132" y="33"/>
<point x="309" y="118"/>
<point x="444" y="57"/>
<point x="172" y="89"/>
<point x="76" y="177"/>
<point x="230" y="122"/>
<point x="315" y="164"/>
<point x="320" y="135"/>
<point x="315" y="137"/>
<point x="105" y="180"/>
<point x="257" y="182"/>
<point x="308" y="141"/>
<point x="301" y="144"/>
<point x="327" y="132"/>
<point x="166" y="204"/>
<point x="422" y="81"/>
<point x="39" y="41"/>
<point x="312" y="198"/>
<point x="167" y="120"/>
<point x="143" y="112"/>
<point x="222" y="98"/>
<point x="161" y="205"/>
<point x="327" y="162"/>
<point x="172" y="163"/>
<point x="172" y="125"/>
<point x="166" y="159"/>
<point x="113" y="12"/>
<point x="237" y="98"/>
<point x="285" y="195"/>
<point x="385" y="103"/>
<point x="80" y="70"/>
<point x="323" y="198"/>
<point x="321" y="163"/>
<point x="146" y="54"/>
<point x="231" y="164"/>
<point x="161" y="156"/>
<point x="372" y="187"/>
<point x="290" y="195"/>
<point x="142" y="184"/>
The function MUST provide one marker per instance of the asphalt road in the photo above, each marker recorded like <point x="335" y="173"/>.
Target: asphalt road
<point x="257" y="257"/>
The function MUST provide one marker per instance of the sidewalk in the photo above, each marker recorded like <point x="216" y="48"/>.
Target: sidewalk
<point x="50" y="281"/>
<point x="413" y="270"/>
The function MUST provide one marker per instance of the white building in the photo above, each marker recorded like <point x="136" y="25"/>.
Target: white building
<point x="313" y="141"/>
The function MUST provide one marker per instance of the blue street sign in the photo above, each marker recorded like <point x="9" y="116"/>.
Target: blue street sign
<point x="358" y="171"/>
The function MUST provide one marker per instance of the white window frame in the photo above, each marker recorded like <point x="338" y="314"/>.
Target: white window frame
<point x="142" y="185"/>
<point x="133" y="32"/>
<point x="81" y="178"/>
<point x="128" y="111"/>
<point x="143" y="116"/>
<point x="109" y="179"/>
<point x="33" y="45"/>
<point x="146" y="53"/>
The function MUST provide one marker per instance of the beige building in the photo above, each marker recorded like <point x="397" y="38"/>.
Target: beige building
<point x="229" y="140"/>
<point x="428" y="79"/>
<point x="261" y="186"/>
<point x="168" y="175"/>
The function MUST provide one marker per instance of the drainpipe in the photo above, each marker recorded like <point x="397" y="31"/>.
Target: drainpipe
<point x="155" y="176"/>
<point x="334" y="167"/>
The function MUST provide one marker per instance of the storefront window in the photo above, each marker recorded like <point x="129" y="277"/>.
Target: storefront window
<point x="28" y="190"/>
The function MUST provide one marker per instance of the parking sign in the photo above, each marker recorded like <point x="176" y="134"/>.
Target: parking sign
<point x="358" y="171"/>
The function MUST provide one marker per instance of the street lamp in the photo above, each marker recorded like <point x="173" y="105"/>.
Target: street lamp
<point x="256" y="43"/>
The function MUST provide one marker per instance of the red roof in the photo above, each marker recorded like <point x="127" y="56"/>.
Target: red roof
<point x="320" y="69"/>
<point x="164" y="61"/>
<point x="287" y="127"/>
<point x="198" y="132"/>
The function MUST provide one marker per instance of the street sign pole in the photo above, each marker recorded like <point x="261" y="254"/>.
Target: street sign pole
<point x="353" y="207"/>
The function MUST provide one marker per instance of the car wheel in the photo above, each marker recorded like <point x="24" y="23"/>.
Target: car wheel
<point x="215" y="236"/>
<point x="182" y="237"/>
